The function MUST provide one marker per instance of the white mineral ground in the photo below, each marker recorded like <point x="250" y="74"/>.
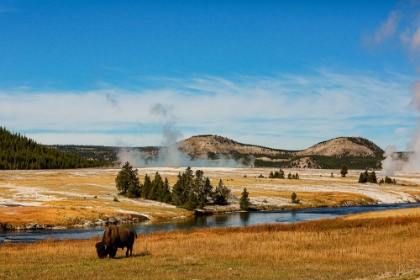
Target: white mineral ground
<point x="311" y="181"/>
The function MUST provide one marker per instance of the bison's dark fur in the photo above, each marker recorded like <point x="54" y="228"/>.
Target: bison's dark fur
<point x="115" y="237"/>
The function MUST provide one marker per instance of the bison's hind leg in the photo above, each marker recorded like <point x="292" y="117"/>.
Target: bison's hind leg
<point x="129" y="251"/>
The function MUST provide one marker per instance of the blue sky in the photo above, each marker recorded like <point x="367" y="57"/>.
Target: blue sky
<point x="282" y="74"/>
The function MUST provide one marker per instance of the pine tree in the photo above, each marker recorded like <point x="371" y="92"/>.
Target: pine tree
<point x="182" y="188"/>
<point x="127" y="182"/>
<point x="221" y="194"/>
<point x="344" y="170"/>
<point x="372" y="177"/>
<point x="201" y="189"/>
<point x="294" y="198"/>
<point x="165" y="195"/>
<point x="361" y="178"/>
<point x="147" y="186"/>
<point x="156" y="187"/>
<point x="281" y="174"/>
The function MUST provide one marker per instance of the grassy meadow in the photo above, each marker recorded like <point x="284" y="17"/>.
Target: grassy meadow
<point x="382" y="245"/>
<point x="342" y="248"/>
<point x="73" y="197"/>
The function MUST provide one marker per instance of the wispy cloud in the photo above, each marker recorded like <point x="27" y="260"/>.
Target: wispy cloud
<point x="411" y="38"/>
<point x="385" y="31"/>
<point x="286" y="111"/>
<point x="402" y="26"/>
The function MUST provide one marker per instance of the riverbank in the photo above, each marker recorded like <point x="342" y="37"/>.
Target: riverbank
<point x="88" y="197"/>
<point x="343" y="248"/>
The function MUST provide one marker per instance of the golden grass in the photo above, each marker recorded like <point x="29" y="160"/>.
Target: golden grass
<point x="316" y="199"/>
<point x="85" y="190"/>
<point x="368" y="246"/>
<point x="373" y="248"/>
<point x="62" y="216"/>
<point x="410" y="212"/>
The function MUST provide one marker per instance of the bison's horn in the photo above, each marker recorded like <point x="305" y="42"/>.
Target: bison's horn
<point x="105" y="246"/>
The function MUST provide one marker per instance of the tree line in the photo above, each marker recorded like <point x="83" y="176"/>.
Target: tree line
<point x="280" y="175"/>
<point x="19" y="152"/>
<point x="370" y="177"/>
<point x="191" y="190"/>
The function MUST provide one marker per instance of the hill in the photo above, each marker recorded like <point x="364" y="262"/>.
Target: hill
<point x="20" y="152"/>
<point x="355" y="152"/>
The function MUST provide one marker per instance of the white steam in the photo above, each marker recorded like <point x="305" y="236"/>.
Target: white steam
<point x="409" y="36"/>
<point x="168" y="152"/>
<point x="391" y="163"/>
<point x="411" y="162"/>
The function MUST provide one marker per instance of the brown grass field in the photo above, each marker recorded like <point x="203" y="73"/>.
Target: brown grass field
<point x="343" y="248"/>
<point x="383" y="245"/>
<point x="73" y="197"/>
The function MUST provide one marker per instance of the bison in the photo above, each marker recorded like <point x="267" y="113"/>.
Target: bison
<point x="115" y="237"/>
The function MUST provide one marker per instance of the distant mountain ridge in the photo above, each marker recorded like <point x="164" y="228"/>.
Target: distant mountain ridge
<point x="201" y="145"/>
<point x="355" y="152"/>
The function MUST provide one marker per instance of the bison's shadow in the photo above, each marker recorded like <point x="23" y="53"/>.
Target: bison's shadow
<point x="142" y="254"/>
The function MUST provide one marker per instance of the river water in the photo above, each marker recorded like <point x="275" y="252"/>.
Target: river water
<point x="220" y="220"/>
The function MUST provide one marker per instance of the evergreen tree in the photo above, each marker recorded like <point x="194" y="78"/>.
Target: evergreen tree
<point x="127" y="182"/>
<point x="388" y="180"/>
<point x="362" y="178"/>
<point x="221" y="194"/>
<point x="244" y="203"/>
<point x="165" y="194"/>
<point x="368" y="177"/>
<point x="344" y="170"/>
<point x="294" y="198"/>
<point x="182" y="188"/>
<point x="277" y="174"/>
<point x="281" y="174"/>
<point x="156" y="187"/>
<point x="372" y="177"/>
<point x="147" y="186"/>
<point x="201" y="191"/>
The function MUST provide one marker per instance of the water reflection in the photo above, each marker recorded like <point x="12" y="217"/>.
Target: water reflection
<point x="244" y="216"/>
<point x="222" y="220"/>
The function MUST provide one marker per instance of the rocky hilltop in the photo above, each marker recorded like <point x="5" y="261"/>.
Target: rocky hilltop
<point x="344" y="146"/>
<point x="355" y="152"/>
<point x="202" y="146"/>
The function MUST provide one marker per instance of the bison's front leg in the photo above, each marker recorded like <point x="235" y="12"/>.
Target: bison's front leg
<point x="113" y="252"/>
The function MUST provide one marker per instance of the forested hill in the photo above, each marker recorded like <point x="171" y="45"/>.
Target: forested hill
<point x="19" y="152"/>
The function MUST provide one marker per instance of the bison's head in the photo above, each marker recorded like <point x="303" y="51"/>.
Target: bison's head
<point x="101" y="249"/>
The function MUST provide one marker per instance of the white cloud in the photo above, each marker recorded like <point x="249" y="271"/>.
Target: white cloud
<point x="385" y="31"/>
<point x="287" y="111"/>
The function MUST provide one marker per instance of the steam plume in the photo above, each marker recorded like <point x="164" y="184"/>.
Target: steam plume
<point x="169" y="153"/>
<point x="410" y="37"/>
<point x="411" y="162"/>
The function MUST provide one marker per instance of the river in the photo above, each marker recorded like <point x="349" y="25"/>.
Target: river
<point x="237" y="219"/>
